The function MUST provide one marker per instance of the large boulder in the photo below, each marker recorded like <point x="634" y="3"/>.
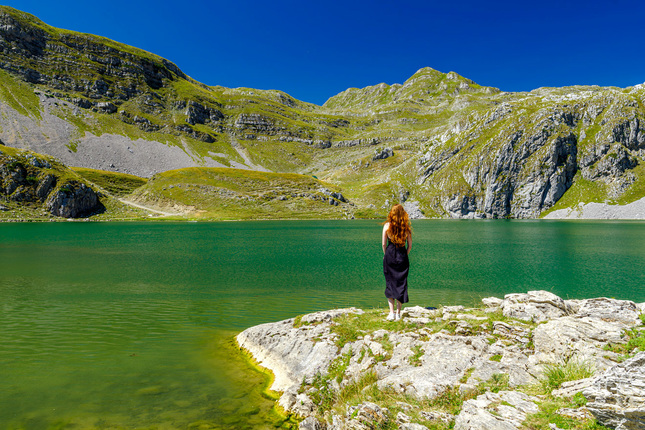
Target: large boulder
<point x="73" y="200"/>
<point x="536" y="306"/>
<point x="583" y="338"/>
<point x="624" y="311"/>
<point x="617" y="397"/>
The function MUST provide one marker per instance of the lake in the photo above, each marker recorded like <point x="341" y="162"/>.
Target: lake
<point x="131" y="325"/>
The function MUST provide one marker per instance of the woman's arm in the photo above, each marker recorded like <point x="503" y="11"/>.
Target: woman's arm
<point x="409" y="242"/>
<point x="384" y="237"/>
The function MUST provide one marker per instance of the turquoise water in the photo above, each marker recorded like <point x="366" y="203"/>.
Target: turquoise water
<point x="130" y="325"/>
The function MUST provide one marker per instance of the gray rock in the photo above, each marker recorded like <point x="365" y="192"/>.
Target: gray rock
<point x="570" y="337"/>
<point x="445" y="360"/>
<point x="72" y="200"/>
<point x="383" y="154"/>
<point x="402" y="418"/>
<point x="534" y="306"/>
<point x="412" y="426"/>
<point x="580" y="414"/>
<point x="505" y="410"/>
<point x="293" y="353"/>
<point x="492" y="302"/>
<point x="617" y="397"/>
<point x="368" y="415"/>
<point x="571" y="388"/>
<point x="310" y="423"/>
<point x="300" y="404"/>
<point x="437" y="416"/>
<point x="623" y="311"/>
<point x="413" y="209"/>
<point x="45" y="186"/>
<point x="106" y="107"/>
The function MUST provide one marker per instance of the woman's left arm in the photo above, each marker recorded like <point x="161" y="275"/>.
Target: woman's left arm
<point x="409" y="242"/>
<point x="384" y="237"/>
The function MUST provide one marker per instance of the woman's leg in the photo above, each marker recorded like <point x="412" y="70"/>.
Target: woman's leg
<point x="398" y="310"/>
<point x="390" y="302"/>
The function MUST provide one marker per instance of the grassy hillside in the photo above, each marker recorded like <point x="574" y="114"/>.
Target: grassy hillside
<point x="231" y="194"/>
<point x="453" y="147"/>
<point x="24" y="173"/>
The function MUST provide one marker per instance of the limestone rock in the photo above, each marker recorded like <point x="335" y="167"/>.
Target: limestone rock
<point x="505" y="410"/>
<point x="72" y="200"/>
<point x="623" y="311"/>
<point x="383" y="154"/>
<point x="571" y="388"/>
<point x="367" y="415"/>
<point x="617" y="397"/>
<point x="45" y="186"/>
<point x="492" y="302"/>
<point x="534" y="306"/>
<point x="437" y="416"/>
<point x="444" y="362"/>
<point x="298" y="403"/>
<point x="310" y="423"/>
<point x="292" y="353"/>
<point x="583" y="338"/>
<point x="580" y="414"/>
<point x="412" y="426"/>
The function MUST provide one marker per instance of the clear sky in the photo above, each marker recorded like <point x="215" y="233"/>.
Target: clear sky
<point x="313" y="50"/>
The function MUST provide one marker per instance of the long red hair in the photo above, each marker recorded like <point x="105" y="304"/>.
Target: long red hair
<point x="399" y="228"/>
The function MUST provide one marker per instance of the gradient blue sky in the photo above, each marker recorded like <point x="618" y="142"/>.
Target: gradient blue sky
<point x="314" y="50"/>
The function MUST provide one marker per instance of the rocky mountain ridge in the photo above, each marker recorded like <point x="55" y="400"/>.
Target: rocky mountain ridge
<point x="448" y="146"/>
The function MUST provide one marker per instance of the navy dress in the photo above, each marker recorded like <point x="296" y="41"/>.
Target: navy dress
<point x="395" y="268"/>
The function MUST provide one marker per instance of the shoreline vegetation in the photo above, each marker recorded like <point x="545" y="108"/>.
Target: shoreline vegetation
<point x="528" y="361"/>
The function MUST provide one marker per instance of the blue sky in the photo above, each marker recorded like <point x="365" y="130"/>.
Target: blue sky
<point x="314" y="50"/>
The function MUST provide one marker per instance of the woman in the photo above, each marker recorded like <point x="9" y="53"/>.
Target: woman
<point x="396" y="242"/>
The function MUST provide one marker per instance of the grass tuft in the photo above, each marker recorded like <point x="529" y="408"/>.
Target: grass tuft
<point x="572" y="370"/>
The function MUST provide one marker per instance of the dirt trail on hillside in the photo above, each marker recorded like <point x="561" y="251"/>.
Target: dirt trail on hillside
<point x="147" y="208"/>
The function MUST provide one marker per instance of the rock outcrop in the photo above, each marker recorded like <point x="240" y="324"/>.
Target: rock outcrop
<point x="617" y="397"/>
<point x="73" y="199"/>
<point x="36" y="181"/>
<point x="432" y="352"/>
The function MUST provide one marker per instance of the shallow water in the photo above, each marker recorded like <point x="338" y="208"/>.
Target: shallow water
<point x="131" y="325"/>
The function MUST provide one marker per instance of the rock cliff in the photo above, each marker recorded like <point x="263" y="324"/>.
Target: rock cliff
<point x="43" y="183"/>
<point x="452" y="147"/>
<point x="486" y="368"/>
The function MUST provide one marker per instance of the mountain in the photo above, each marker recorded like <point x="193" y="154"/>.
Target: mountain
<point x="441" y="143"/>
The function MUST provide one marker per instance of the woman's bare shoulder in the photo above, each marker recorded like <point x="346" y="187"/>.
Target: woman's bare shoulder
<point x="386" y="226"/>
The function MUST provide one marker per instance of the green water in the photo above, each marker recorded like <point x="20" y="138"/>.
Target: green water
<point x="130" y="325"/>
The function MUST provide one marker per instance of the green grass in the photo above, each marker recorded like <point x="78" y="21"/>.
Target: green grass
<point x="581" y="191"/>
<point x="415" y="358"/>
<point x="635" y="342"/>
<point x="20" y="96"/>
<point x="118" y="184"/>
<point x="547" y="415"/>
<point x="572" y="370"/>
<point x="228" y="194"/>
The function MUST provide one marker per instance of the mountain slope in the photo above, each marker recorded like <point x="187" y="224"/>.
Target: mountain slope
<point x="450" y="147"/>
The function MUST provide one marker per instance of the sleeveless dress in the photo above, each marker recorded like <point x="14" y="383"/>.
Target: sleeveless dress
<point x="395" y="269"/>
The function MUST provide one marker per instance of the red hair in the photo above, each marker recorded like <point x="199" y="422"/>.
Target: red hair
<point x="399" y="228"/>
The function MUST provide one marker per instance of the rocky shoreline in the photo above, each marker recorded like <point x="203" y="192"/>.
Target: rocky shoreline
<point x="482" y="368"/>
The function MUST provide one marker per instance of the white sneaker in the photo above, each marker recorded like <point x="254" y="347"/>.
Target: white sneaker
<point x="390" y="317"/>
<point x="397" y="317"/>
